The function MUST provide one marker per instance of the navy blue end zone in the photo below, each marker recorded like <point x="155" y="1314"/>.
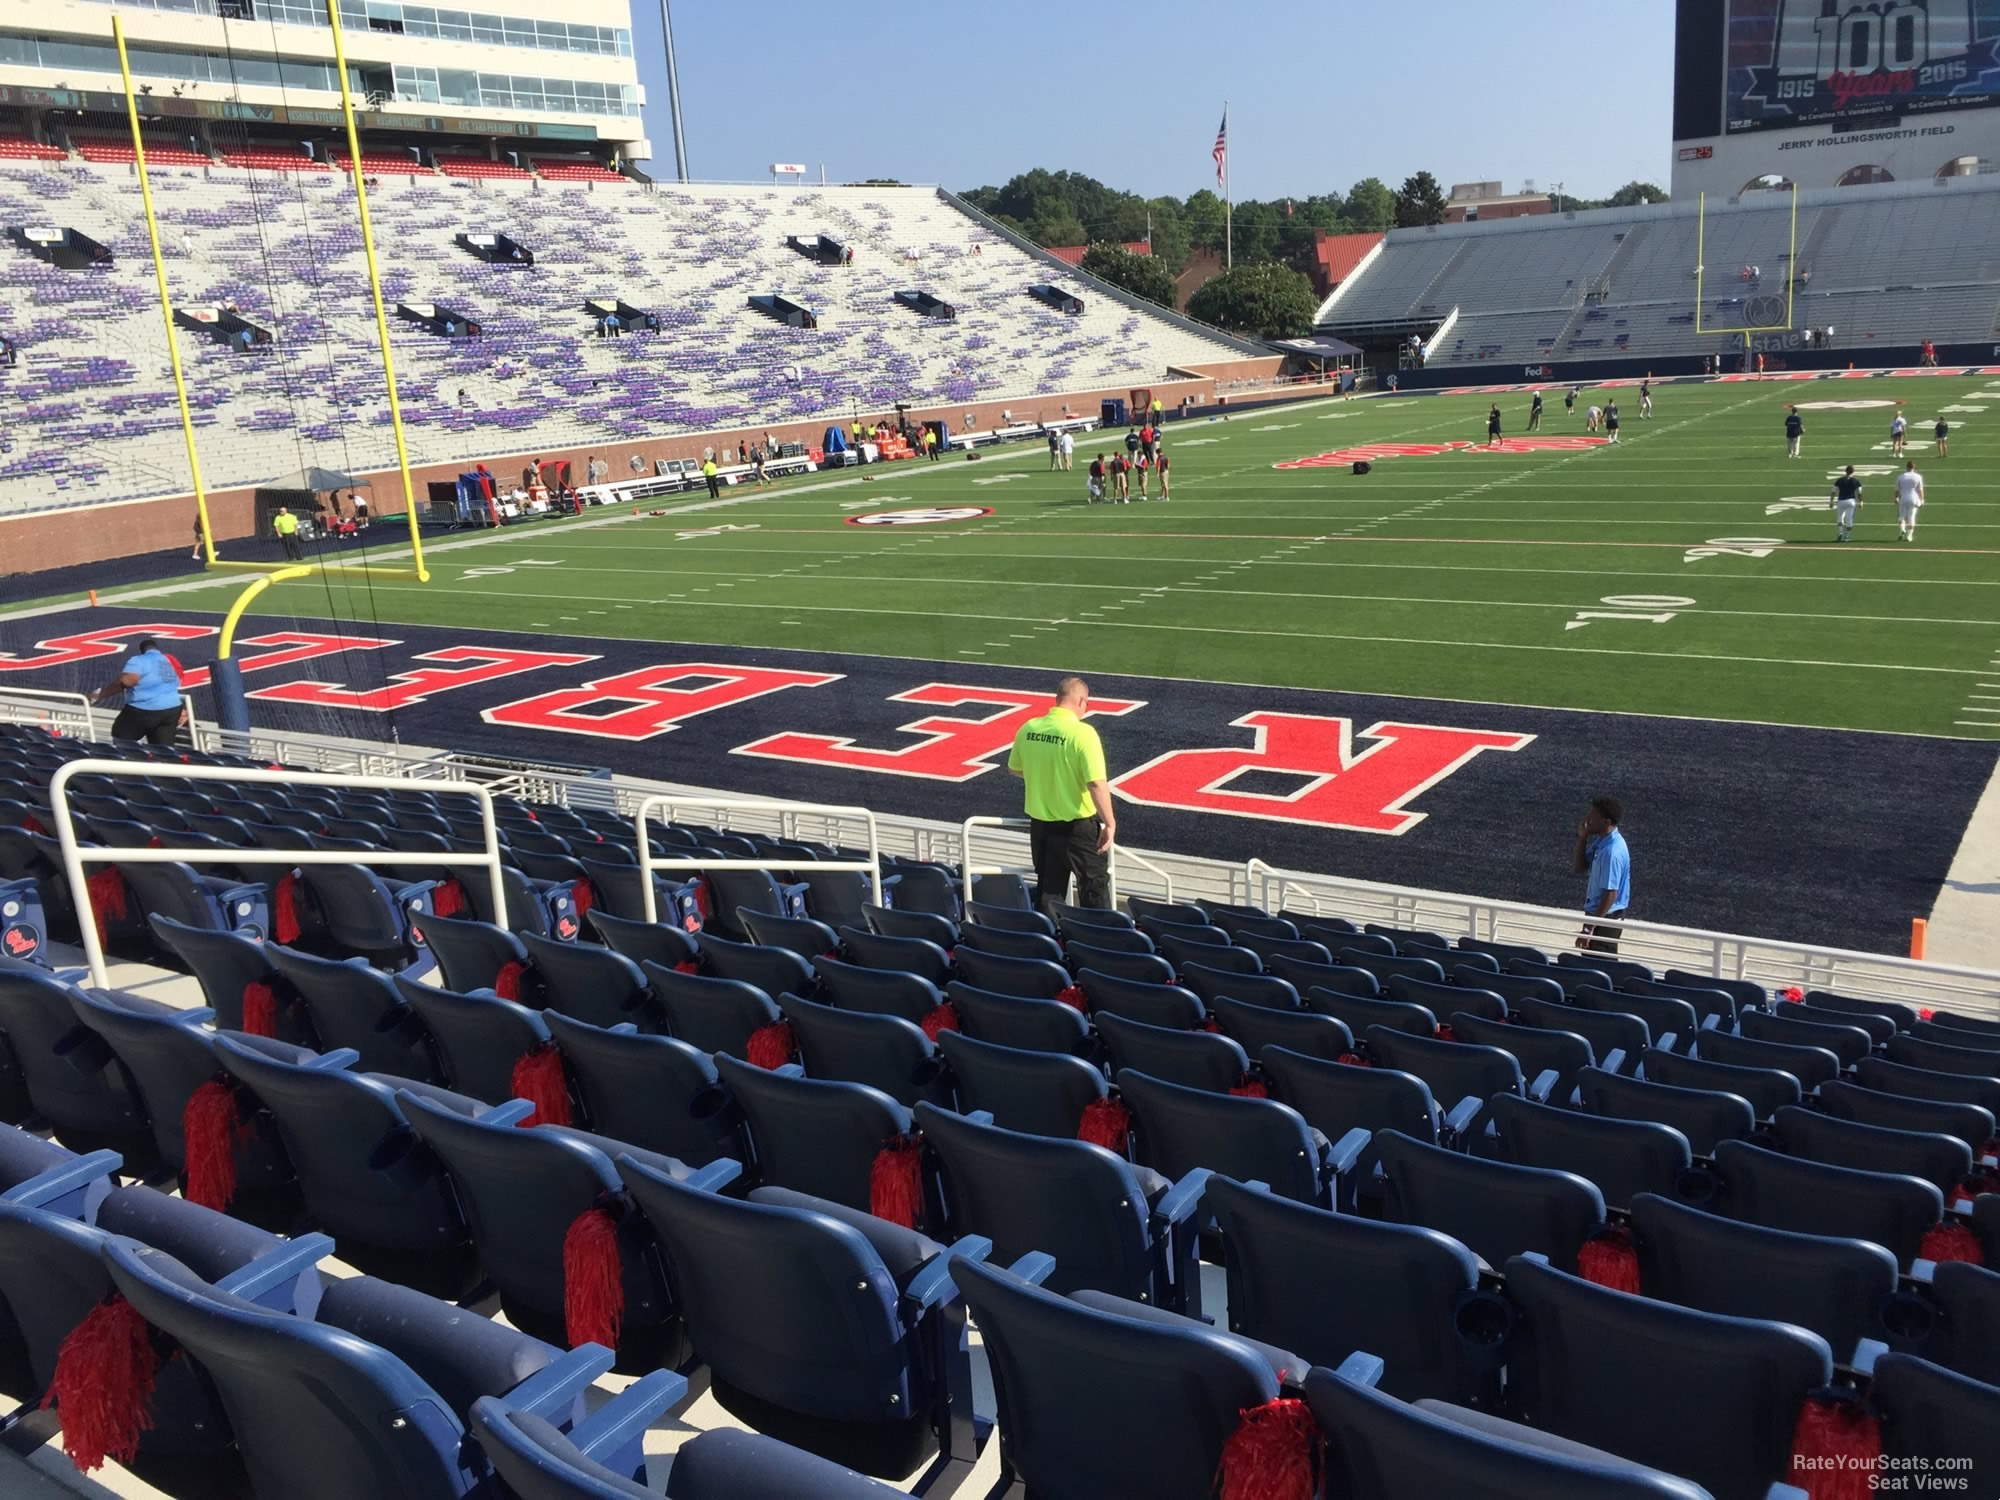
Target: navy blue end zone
<point x="1811" y="835"/>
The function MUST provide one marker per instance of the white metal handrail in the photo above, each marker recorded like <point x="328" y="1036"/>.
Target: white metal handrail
<point x="969" y="870"/>
<point x="75" y="856"/>
<point x="668" y="801"/>
<point x="55" y="707"/>
<point x="1771" y="961"/>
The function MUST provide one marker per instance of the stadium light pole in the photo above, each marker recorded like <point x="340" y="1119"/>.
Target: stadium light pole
<point x="674" y="93"/>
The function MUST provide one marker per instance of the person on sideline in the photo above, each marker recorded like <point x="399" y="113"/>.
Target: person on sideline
<point x="153" y="709"/>
<point x="1646" y="399"/>
<point x="1606" y="865"/>
<point x="1611" y="419"/>
<point x="1068" y="451"/>
<point x="287" y="526"/>
<point x="1795" y="429"/>
<point x="1569" y="400"/>
<point x="1591" y="418"/>
<point x="1844" y="502"/>
<point x="1055" y="450"/>
<point x="708" y="472"/>
<point x="1163" y="476"/>
<point x="1909" y="500"/>
<point x="1071" y="823"/>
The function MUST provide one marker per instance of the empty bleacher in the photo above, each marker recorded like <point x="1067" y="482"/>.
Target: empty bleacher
<point x="1489" y="1218"/>
<point x="1887" y="265"/>
<point x="95" y="411"/>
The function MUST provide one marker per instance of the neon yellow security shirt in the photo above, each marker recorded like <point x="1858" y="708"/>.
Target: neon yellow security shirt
<point x="285" y="525"/>
<point x="1058" y="755"/>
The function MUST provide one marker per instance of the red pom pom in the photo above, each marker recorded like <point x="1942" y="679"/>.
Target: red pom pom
<point x="1794" y="995"/>
<point x="103" y="1384"/>
<point x="687" y="966"/>
<point x="507" y="981"/>
<point x="896" y="1182"/>
<point x="1444" y="1033"/>
<point x="1107" y="1123"/>
<point x="944" y="1018"/>
<point x="1834" y="1449"/>
<point x="538" y="1077"/>
<point x="1272" y="1455"/>
<point x="1608" y="1259"/>
<point x="285" y="908"/>
<point x="34" y="825"/>
<point x="260" y="1009"/>
<point x="1250" y="1088"/>
<point x="1072" y="994"/>
<point x="211" y="1125"/>
<point x="1926" y="1014"/>
<point x="593" y="1279"/>
<point x="107" y="898"/>
<point x="1951" y="1240"/>
<point x="448" y="900"/>
<point x="771" y="1046"/>
<point x="583" y="896"/>
<point x="1354" y="1060"/>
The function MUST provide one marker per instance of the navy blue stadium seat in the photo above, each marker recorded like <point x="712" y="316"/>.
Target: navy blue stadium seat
<point x="1616" y="1040"/>
<point x="480" y="1039"/>
<point x="1929" y="1413"/>
<point x="1568" y="976"/>
<point x="908" y="955"/>
<point x="775" y="971"/>
<point x="1014" y="1021"/>
<point x="1975" y="1061"/>
<point x="537" y="1460"/>
<point x="889" y="992"/>
<point x="75" y="1082"/>
<point x="1102" y="938"/>
<point x="1969" y="1334"/>
<point x="819" y="1136"/>
<point x="1035" y="1092"/>
<point x="1671" y="1020"/>
<point x="1768" y="1088"/>
<point x="1746" y="993"/>
<point x="1194" y="1059"/>
<point x="1177" y="1130"/>
<point x="1944" y="1161"/>
<point x="358" y="1007"/>
<point x="1911" y="1082"/>
<point x="1494" y="1209"/>
<point x="805" y="936"/>
<point x="231" y="969"/>
<point x="1558" y="1055"/>
<point x="986" y="939"/>
<point x="1008" y="918"/>
<point x="1621" y="1158"/>
<point x="1850" y="1101"/>
<point x="1033" y="978"/>
<point x="656" y="1092"/>
<point x="1445" y="999"/>
<point x="1848" y="1043"/>
<point x="725" y="1464"/>
<point x="858" y="1046"/>
<point x="657" y="942"/>
<point x="1809" y="1197"/>
<point x="710" y="1015"/>
<point x="1135" y="967"/>
<point x="1388" y="966"/>
<point x="1462" y="1077"/>
<point x="1145" y="907"/>
<point x="1255" y="1027"/>
<point x="471" y="955"/>
<point x="1703" y="1116"/>
<point x="1156" y="1003"/>
<point x="1251" y="988"/>
<point x="594" y="984"/>
<point x="1359" y="1012"/>
<point x="885" y="921"/>
<point x="1711" y="1004"/>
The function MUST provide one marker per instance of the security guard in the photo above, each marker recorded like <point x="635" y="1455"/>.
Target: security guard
<point x="287" y="526"/>
<point x="1071" y="822"/>
<point x="709" y="472"/>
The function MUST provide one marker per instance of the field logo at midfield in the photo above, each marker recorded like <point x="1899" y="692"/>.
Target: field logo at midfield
<point x="926" y="515"/>
<point x="1842" y="405"/>
<point x="1371" y="452"/>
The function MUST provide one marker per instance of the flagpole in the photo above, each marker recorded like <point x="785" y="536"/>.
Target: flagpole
<point x="1228" y="205"/>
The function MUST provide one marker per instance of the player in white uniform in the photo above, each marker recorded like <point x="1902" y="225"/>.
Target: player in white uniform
<point x="1909" y="500"/>
<point x="1591" y="418"/>
<point x="1897" y="429"/>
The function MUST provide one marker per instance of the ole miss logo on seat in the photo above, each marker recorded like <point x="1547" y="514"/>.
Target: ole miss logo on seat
<point x="21" y="941"/>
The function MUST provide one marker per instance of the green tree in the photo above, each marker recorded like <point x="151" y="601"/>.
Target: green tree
<point x="1419" y="201"/>
<point x="1141" y="275"/>
<point x="1370" y="205"/>
<point x="1635" y="193"/>
<point x="1256" y="230"/>
<point x="1260" y="298"/>
<point x="1171" y="240"/>
<point x="1203" y="214"/>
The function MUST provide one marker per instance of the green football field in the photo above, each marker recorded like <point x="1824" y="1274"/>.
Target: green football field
<point x="1691" y="570"/>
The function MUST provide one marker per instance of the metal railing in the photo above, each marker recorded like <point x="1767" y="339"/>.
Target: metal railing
<point x="75" y="856"/>
<point x="667" y="802"/>
<point x="969" y="870"/>
<point x="85" y="719"/>
<point x="1766" y="961"/>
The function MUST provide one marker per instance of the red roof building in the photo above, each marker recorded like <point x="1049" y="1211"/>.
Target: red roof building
<point x="1073" y="254"/>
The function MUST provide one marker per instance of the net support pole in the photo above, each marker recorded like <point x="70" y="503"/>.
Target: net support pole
<point x="375" y="288"/>
<point x="160" y="280"/>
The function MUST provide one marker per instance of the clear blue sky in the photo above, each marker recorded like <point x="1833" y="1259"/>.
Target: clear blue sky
<point x="1321" y="92"/>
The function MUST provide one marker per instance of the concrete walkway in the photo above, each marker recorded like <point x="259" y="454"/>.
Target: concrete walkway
<point x="1965" y="923"/>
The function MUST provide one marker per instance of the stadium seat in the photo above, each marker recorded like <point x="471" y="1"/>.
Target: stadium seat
<point x="1848" y="1043"/>
<point x="537" y="1460"/>
<point x="179" y="893"/>
<point x="1883" y="1076"/>
<point x="861" y="948"/>
<point x="1337" y="1100"/>
<point x="858" y="1046"/>
<point x="1567" y="976"/>
<point x="486" y="1045"/>
<point x="1444" y="999"/>
<point x="1670" y="1020"/>
<point x="1144" y="908"/>
<point x="237" y="981"/>
<point x="1976" y="1061"/>
<point x="1767" y="1087"/>
<point x="1359" y="1012"/>
<point x="1747" y="994"/>
<point x="1540" y="1052"/>
<point x="1621" y="1158"/>
<point x="1810" y="1197"/>
<point x="368" y="1397"/>
<point x="1255" y="1027"/>
<point x="1715" y="1400"/>
<point x="1160" y="1003"/>
<point x="1928" y="1412"/>
<point x="1953" y="1021"/>
<point x="887" y="922"/>
<point x="710" y="1015"/>
<point x="655" y="942"/>
<point x="1462" y="1077"/>
<point x="821" y="1136"/>
<point x="815" y="1319"/>
<point x="1849" y="1101"/>
<point x="1031" y="978"/>
<point x="1512" y="988"/>
<point x="524" y="1193"/>
<point x="887" y="992"/>
<point x="473" y="955"/>
<point x="1158" y="1430"/>
<point x="1879" y="1027"/>
<point x="1944" y="1161"/>
<point x="1093" y="938"/>
<point x="1378" y="1448"/>
<point x="1299" y="950"/>
<point x="77" y="1084"/>
<point x="803" y="935"/>
<point x="1840" y="1289"/>
<point x="775" y="971"/>
<point x="1494" y="1209"/>
<point x="1009" y="918"/>
<point x="1193" y="1059"/>
<point x="1703" y="1116"/>
<point x="1014" y="1021"/>
<point x="1131" y="967"/>
<point x="1239" y="921"/>
<point x="1955" y="1035"/>
<point x="726" y="1464"/>
<point x="1111" y="1227"/>
<point x="1969" y="1298"/>
<point x="985" y="939"/>
<point x="353" y="1006"/>
<point x="1033" y="1092"/>
<point x="1712" y="1006"/>
<point x="361" y="913"/>
<point x="1326" y="1285"/>
<point x="1177" y="1130"/>
<point x="1617" y="1040"/>
<point x="594" y="984"/>
<point x="37" y="1173"/>
<point x="656" y="1092"/>
<point x="1253" y="989"/>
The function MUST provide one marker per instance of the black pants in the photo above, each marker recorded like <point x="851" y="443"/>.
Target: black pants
<point x="1062" y="850"/>
<point x="714" y="488"/>
<point x="154" y="725"/>
<point x="292" y="550"/>
<point x="1601" y="935"/>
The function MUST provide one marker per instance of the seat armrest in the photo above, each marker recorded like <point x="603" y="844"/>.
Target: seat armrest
<point x="1036" y="1267"/>
<point x="1178" y="1203"/>
<point x="932" y="1282"/>
<point x="551" y="1391"/>
<point x="338" y="1060"/>
<point x="625" y="1417"/>
<point x="64" y="1178"/>
<point x="717" y="1175"/>
<point x="1347" y="1150"/>
<point x="1666" y="1039"/>
<point x="1712" y="1021"/>
<point x="510" y="1113"/>
<point x="980" y="1116"/>
<point x="1464" y="1113"/>
<point x="1614" y="1060"/>
<point x="268" y="1272"/>
<point x="623" y="1028"/>
<point x="790" y="1070"/>
<point x="1543" y="1086"/>
<point x="1866" y="1352"/>
<point x="1786" y="1492"/>
<point x="1362" y="1369"/>
<point x="1922" y="1271"/>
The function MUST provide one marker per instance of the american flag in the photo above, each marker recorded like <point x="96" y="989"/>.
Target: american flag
<point x="1221" y="152"/>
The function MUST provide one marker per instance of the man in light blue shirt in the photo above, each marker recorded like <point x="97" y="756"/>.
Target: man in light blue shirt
<point x="1606" y="863"/>
<point x="152" y="689"/>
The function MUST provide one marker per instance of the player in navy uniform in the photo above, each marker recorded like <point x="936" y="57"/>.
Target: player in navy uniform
<point x="1943" y="433"/>
<point x="1569" y="400"/>
<point x="1795" y="428"/>
<point x="1611" y="419"/>
<point x="1844" y="502"/>
<point x="1535" y="413"/>
<point x="1493" y="426"/>
<point x="1646" y="399"/>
